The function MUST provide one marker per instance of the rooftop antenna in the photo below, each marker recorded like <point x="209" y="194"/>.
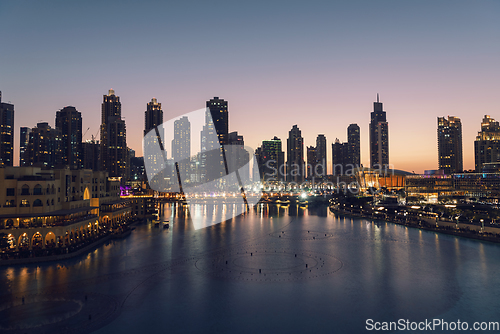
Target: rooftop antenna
<point x="377" y="98"/>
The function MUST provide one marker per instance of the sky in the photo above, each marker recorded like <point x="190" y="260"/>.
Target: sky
<point x="317" y="64"/>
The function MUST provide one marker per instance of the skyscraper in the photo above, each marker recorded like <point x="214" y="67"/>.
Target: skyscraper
<point x="271" y="160"/>
<point x="312" y="162"/>
<point x="6" y="133"/>
<point x="90" y="159"/>
<point x="450" y="144"/>
<point x="219" y="112"/>
<point x="153" y="116"/>
<point x="353" y="140"/>
<point x="236" y="155"/>
<point x="295" y="156"/>
<point x="114" y="151"/>
<point x="346" y="156"/>
<point x="69" y="125"/>
<point x="181" y="146"/>
<point x="340" y="158"/>
<point x="379" y="137"/>
<point x="211" y="164"/>
<point x="44" y="147"/>
<point x="24" y="139"/>
<point x="487" y="143"/>
<point x="321" y="169"/>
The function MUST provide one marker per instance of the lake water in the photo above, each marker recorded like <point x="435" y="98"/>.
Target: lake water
<point x="272" y="270"/>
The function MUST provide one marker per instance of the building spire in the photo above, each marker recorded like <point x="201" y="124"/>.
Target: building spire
<point x="377" y="98"/>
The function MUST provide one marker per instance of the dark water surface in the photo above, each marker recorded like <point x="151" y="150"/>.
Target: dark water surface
<point x="273" y="270"/>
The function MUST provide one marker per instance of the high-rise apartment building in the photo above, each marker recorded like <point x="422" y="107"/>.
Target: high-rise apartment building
<point x="237" y="156"/>
<point x="353" y="140"/>
<point x="153" y="116"/>
<point x="91" y="154"/>
<point x="24" y="139"/>
<point x="340" y="158"/>
<point x="321" y="160"/>
<point x="44" y="147"/>
<point x="295" y="156"/>
<point x="346" y="156"/>
<point x="114" y="151"/>
<point x="219" y="112"/>
<point x="312" y="162"/>
<point x="379" y="137"/>
<point x="271" y="160"/>
<point x="449" y="134"/>
<point x="69" y="125"/>
<point x="181" y="146"/>
<point x="6" y="133"/>
<point x="487" y="143"/>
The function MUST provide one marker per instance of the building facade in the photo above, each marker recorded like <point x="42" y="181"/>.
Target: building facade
<point x="312" y="162"/>
<point x="271" y="160"/>
<point x="218" y="110"/>
<point x="6" y="133"/>
<point x="237" y="156"/>
<point x="181" y="147"/>
<point x="295" y="167"/>
<point x="321" y="170"/>
<point x="379" y="137"/>
<point x="113" y="151"/>
<point x="354" y="142"/>
<point x="44" y="147"/>
<point x="153" y="116"/>
<point x="24" y="139"/>
<point x="485" y="186"/>
<point x="69" y="125"/>
<point x="91" y="154"/>
<point x="449" y="134"/>
<point x="487" y="143"/>
<point x="340" y="158"/>
<point x="58" y="208"/>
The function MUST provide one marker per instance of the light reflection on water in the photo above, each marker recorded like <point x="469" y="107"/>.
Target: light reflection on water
<point x="388" y="272"/>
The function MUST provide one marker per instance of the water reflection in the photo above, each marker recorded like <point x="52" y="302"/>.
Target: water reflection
<point x="388" y="272"/>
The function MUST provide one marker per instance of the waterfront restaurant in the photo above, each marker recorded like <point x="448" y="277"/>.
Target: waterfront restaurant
<point x="482" y="186"/>
<point x="58" y="208"/>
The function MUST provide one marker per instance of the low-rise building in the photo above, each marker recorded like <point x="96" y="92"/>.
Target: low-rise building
<point x="58" y="208"/>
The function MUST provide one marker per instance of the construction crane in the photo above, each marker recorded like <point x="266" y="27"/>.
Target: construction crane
<point x="85" y="133"/>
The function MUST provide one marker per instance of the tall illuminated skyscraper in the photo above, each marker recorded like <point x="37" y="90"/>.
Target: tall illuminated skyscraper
<point x="153" y="116"/>
<point x="379" y="137"/>
<point x="353" y="140"/>
<point x="181" y="146"/>
<point x="236" y="155"/>
<point x="341" y="163"/>
<point x="321" y="161"/>
<point x="450" y="145"/>
<point x="114" y="151"/>
<point x="44" y="147"/>
<point x="69" y="125"/>
<point x="295" y="156"/>
<point x="6" y="133"/>
<point x="487" y="143"/>
<point x="24" y="138"/>
<point x="271" y="160"/>
<point x="218" y="110"/>
<point x="346" y="156"/>
<point x="312" y="162"/>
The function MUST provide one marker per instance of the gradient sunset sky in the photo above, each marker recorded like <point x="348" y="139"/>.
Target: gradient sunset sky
<point x="317" y="64"/>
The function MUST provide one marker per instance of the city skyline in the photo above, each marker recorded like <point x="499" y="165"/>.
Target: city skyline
<point x="424" y="63"/>
<point x="364" y="156"/>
